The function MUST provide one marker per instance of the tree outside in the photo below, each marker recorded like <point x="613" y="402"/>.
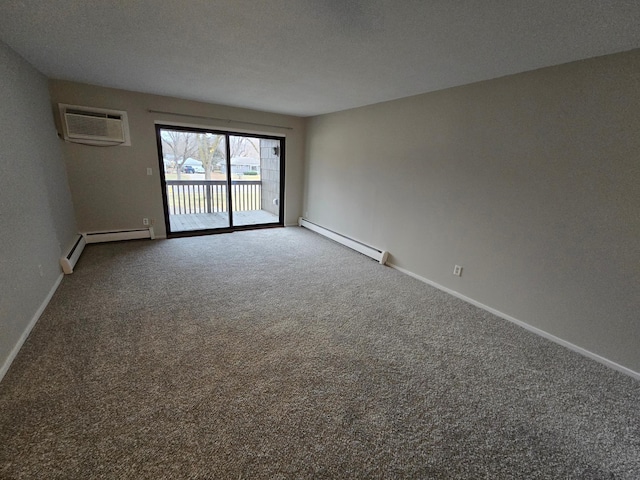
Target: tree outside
<point x="180" y="148"/>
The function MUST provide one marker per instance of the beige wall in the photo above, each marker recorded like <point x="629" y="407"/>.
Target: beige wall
<point x="110" y="186"/>
<point x="530" y="182"/>
<point x="36" y="212"/>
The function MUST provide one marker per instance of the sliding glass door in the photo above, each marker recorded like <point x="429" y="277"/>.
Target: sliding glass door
<point x="195" y="186"/>
<point x="255" y="180"/>
<point x="218" y="181"/>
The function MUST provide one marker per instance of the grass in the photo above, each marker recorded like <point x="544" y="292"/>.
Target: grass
<point x="214" y="176"/>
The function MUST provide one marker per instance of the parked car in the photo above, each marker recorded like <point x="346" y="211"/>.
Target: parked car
<point x="188" y="169"/>
<point x="198" y="169"/>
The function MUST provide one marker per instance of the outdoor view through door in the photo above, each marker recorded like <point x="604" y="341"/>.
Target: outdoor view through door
<point x="216" y="180"/>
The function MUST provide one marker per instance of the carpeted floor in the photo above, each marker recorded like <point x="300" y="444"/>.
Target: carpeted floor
<point x="280" y="354"/>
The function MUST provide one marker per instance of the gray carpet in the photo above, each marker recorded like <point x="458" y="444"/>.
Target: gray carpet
<point x="280" y="354"/>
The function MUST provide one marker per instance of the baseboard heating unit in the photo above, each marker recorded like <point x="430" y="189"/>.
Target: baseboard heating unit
<point x="68" y="261"/>
<point x="117" y="235"/>
<point x="378" y="255"/>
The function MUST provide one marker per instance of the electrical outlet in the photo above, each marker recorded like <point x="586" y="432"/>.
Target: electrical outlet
<point x="145" y="221"/>
<point x="457" y="270"/>
<point x="149" y="171"/>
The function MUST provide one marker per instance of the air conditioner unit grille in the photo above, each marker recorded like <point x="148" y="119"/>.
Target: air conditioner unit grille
<point x="94" y="126"/>
<point x="86" y="126"/>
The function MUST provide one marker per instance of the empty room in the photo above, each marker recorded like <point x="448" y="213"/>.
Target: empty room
<point x="320" y="239"/>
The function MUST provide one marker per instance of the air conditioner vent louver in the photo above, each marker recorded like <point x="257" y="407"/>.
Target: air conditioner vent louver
<point x="94" y="126"/>
<point x="90" y="126"/>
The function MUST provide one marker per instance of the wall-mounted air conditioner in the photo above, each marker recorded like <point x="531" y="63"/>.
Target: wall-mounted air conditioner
<point x="94" y="126"/>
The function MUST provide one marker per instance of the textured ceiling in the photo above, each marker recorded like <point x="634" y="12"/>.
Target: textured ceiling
<point x="306" y="57"/>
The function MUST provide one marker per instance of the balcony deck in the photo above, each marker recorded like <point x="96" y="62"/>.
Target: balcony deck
<point x="205" y="221"/>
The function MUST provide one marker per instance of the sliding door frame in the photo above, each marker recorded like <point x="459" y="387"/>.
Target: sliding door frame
<point x="226" y="134"/>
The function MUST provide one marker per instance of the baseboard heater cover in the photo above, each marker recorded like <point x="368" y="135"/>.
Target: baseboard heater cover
<point x="117" y="235"/>
<point x="68" y="261"/>
<point x="378" y="255"/>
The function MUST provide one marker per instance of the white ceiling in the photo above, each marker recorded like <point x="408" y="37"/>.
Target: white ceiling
<point x="307" y="57"/>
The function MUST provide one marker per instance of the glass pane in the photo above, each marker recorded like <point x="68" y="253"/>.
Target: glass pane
<point x="196" y="179"/>
<point x="255" y="180"/>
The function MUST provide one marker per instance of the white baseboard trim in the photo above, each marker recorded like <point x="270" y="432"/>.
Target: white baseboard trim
<point x="14" y="352"/>
<point x="526" y="326"/>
